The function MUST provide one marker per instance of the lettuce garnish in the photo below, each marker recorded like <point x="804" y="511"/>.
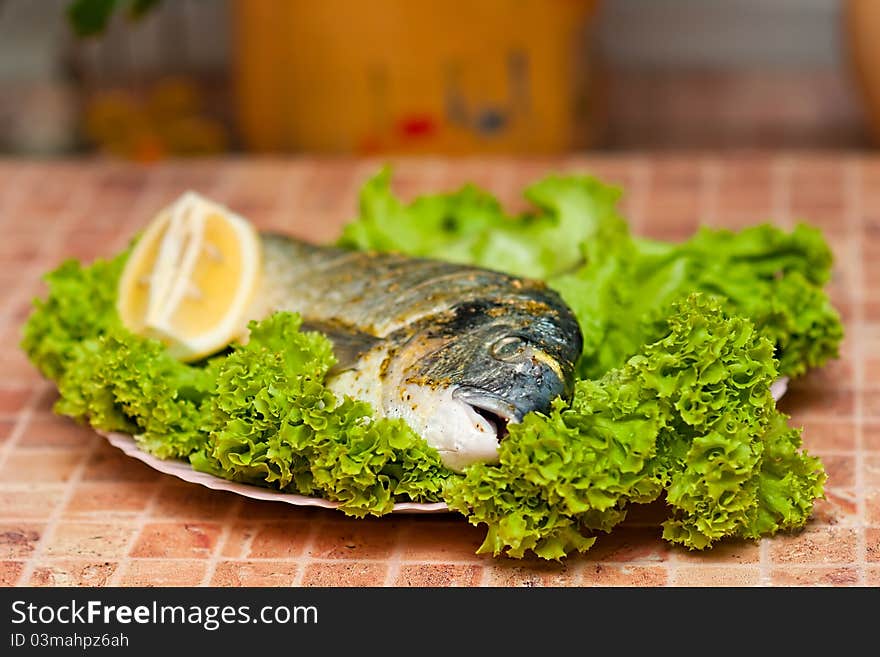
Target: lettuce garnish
<point x="276" y="424"/>
<point x="682" y="342"/>
<point x="259" y="414"/>
<point x="690" y="416"/>
<point x="579" y="243"/>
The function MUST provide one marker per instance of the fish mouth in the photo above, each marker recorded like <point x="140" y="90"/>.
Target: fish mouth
<point x="495" y="410"/>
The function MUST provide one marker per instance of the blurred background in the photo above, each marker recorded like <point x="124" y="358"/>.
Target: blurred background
<point x="146" y="79"/>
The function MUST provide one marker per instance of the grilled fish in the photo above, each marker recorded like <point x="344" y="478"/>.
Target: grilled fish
<point x="457" y="352"/>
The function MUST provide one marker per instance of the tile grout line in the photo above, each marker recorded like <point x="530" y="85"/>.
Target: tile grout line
<point x="853" y="188"/>
<point x="764" y="565"/>
<point x="645" y="562"/>
<point x="781" y="175"/>
<point x="248" y="544"/>
<point x="780" y="202"/>
<point x="226" y="529"/>
<point x="576" y="568"/>
<point x="132" y="516"/>
<point x="710" y="182"/>
<point x="641" y="173"/>
<point x="782" y="172"/>
<point x="139" y="522"/>
<point x="55" y="517"/>
<point x="305" y="559"/>
<point x="22" y="420"/>
<point x="393" y="562"/>
<point x="485" y="580"/>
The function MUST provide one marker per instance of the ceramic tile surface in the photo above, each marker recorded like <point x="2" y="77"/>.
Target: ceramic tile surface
<point x="76" y="511"/>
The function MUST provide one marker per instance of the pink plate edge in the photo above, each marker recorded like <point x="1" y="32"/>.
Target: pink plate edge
<point x="183" y="471"/>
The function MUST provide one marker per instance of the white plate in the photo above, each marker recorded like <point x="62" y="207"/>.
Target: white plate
<point x="182" y="470"/>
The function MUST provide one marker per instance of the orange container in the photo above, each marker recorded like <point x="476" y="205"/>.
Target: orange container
<point x="861" y="19"/>
<point x="445" y="76"/>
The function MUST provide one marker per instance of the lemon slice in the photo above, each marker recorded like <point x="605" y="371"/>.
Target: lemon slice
<point x="190" y="278"/>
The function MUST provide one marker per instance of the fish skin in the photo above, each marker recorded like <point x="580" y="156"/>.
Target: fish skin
<point x="451" y="349"/>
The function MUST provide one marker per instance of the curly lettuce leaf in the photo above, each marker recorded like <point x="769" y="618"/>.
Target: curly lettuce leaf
<point x="122" y="382"/>
<point x="106" y="376"/>
<point x="80" y="305"/>
<point x="469" y="226"/>
<point x="278" y="425"/>
<point x="689" y="416"/>
<point x="673" y="400"/>
<point x="616" y="283"/>
<point x="772" y="277"/>
<point x="260" y="413"/>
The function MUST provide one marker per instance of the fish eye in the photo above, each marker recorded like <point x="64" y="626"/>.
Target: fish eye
<point x="509" y="348"/>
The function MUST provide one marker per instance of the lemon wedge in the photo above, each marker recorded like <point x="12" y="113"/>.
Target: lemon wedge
<point x="191" y="277"/>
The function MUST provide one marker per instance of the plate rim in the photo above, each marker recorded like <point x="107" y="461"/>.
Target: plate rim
<point x="182" y="470"/>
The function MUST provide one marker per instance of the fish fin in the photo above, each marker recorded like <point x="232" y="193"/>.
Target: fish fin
<point x="349" y="344"/>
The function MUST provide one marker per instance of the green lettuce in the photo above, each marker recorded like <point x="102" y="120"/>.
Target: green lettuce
<point x="276" y="424"/>
<point x="259" y="413"/>
<point x="774" y="278"/>
<point x="123" y="382"/>
<point x="578" y="242"/>
<point x="106" y="376"/>
<point x="81" y="305"/>
<point x="469" y="226"/>
<point x="690" y="417"/>
<point x="672" y="400"/>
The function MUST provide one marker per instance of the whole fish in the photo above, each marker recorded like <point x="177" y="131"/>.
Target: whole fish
<point x="457" y="352"/>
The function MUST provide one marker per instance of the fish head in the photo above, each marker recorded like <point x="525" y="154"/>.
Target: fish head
<point x="521" y="358"/>
<point x="498" y="361"/>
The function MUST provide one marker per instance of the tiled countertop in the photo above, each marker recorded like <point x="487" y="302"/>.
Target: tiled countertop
<point x="74" y="510"/>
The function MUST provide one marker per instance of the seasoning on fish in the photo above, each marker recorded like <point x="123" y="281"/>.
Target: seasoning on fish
<point x="458" y="352"/>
